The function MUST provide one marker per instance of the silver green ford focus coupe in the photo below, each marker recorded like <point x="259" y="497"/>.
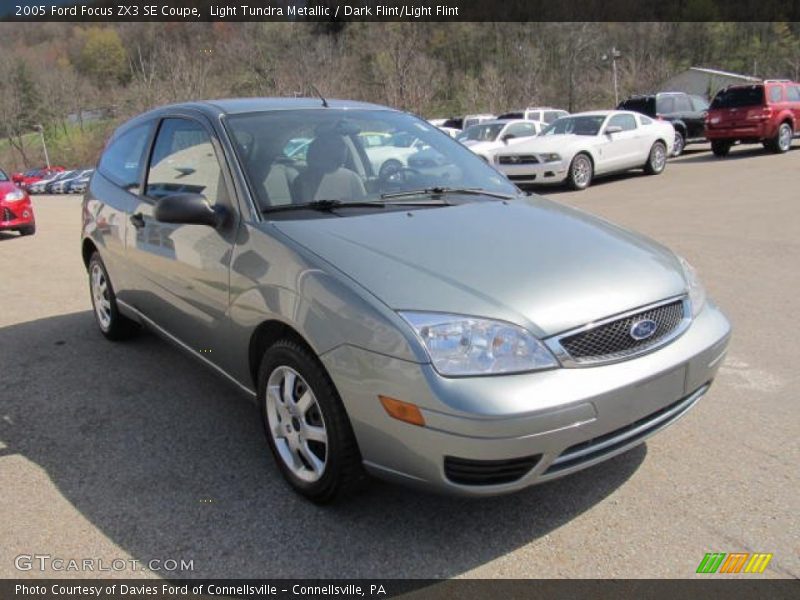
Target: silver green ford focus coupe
<point x="422" y="322"/>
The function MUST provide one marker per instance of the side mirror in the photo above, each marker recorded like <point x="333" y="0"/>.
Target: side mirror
<point x="508" y="136"/>
<point x="613" y="129"/>
<point x="188" y="209"/>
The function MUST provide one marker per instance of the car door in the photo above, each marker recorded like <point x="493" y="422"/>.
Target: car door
<point x="697" y="119"/>
<point x="112" y="196"/>
<point x="623" y="148"/>
<point x="183" y="269"/>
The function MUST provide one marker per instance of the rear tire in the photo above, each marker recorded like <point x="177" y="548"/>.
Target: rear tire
<point x="679" y="144"/>
<point x="306" y="425"/>
<point x="782" y="142"/>
<point x="721" y="148"/>
<point x="657" y="159"/>
<point x="581" y="171"/>
<point x="112" y="324"/>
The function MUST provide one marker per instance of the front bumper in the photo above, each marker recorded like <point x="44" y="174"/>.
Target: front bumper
<point x="16" y="215"/>
<point x="537" y="173"/>
<point x="493" y="435"/>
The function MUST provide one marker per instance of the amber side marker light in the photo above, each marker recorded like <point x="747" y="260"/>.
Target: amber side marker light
<point x="402" y="411"/>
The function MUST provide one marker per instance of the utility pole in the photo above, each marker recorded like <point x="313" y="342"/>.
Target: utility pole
<point x="44" y="145"/>
<point x="613" y="56"/>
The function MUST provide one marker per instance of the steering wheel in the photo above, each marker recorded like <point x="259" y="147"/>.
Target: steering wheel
<point x="401" y="175"/>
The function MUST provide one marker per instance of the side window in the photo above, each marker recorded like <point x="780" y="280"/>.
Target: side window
<point x="699" y="103"/>
<point x="627" y="122"/>
<point x="122" y="160"/>
<point x="793" y="93"/>
<point x="645" y="120"/>
<point x="552" y="115"/>
<point x="183" y="160"/>
<point x="682" y="104"/>
<point x="521" y="130"/>
<point x="665" y="105"/>
<point x="775" y="93"/>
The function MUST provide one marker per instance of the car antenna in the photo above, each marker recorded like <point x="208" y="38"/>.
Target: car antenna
<point x="321" y="97"/>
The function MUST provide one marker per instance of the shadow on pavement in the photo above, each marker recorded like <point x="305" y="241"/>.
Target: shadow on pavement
<point x="737" y="152"/>
<point x="167" y="461"/>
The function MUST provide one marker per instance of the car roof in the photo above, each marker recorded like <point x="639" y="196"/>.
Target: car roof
<point x="600" y="113"/>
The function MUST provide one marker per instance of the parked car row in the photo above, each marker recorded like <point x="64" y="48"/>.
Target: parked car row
<point x="541" y="145"/>
<point x="64" y="182"/>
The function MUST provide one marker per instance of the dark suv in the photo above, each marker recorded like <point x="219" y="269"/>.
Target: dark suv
<point x="687" y="114"/>
<point x="765" y="113"/>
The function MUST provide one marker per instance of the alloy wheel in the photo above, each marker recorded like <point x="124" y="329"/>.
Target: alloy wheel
<point x="658" y="158"/>
<point x="296" y="424"/>
<point x="784" y="137"/>
<point x="100" y="296"/>
<point x="581" y="171"/>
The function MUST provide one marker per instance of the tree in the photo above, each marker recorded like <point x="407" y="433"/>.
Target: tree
<point x="103" y="58"/>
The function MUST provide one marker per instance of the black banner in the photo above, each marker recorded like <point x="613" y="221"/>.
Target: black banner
<point x="749" y="588"/>
<point x="401" y="10"/>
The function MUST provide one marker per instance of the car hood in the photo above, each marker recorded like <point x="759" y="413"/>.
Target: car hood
<point x="530" y="261"/>
<point x="549" y="143"/>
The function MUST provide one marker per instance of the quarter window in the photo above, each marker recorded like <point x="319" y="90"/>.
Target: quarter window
<point x="682" y="104"/>
<point x="184" y="161"/>
<point x="627" y="122"/>
<point x="122" y="160"/>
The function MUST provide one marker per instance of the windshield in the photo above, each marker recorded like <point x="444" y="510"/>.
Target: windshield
<point x="739" y="96"/>
<point x="481" y="133"/>
<point x="585" y="125"/>
<point x="296" y="157"/>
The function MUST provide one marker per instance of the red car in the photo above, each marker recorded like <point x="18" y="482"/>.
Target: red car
<point x="766" y="113"/>
<point x="16" y="212"/>
<point x="23" y="180"/>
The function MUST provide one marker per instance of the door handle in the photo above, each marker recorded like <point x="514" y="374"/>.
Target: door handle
<point x="138" y="220"/>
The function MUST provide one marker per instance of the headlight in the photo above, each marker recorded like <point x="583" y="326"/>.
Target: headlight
<point x="697" y="293"/>
<point x="460" y="345"/>
<point x="551" y="157"/>
<point x="15" y="196"/>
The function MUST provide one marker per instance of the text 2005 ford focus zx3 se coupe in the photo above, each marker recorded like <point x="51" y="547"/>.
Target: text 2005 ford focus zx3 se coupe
<point x="425" y="323"/>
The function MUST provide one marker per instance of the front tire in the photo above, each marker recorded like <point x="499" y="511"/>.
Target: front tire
<point x="720" y="148"/>
<point x="657" y="159"/>
<point x="581" y="171"/>
<point x="29" y="230"/>
<point x="112" y="324"/>
<point x="306" y="425"/>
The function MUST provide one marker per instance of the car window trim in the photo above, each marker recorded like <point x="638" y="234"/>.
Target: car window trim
<point x="150" y="122"/>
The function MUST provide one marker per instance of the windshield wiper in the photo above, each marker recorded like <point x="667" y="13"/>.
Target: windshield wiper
<point x="331" y="205"/>
<point x="323" y="206"/>
<point x="441" y="191"/>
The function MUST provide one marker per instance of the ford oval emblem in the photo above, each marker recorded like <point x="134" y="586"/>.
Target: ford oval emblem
<point x="641" y="330"/>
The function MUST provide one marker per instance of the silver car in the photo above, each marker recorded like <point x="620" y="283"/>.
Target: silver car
<point x="432" y="326"/>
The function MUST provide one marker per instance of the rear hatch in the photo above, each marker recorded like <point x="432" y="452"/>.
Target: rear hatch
<point x="641" y="104"/>
<point x="738" y="106"/>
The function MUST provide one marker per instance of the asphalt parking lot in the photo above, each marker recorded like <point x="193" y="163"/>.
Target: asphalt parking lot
<point x="134" y="451"/>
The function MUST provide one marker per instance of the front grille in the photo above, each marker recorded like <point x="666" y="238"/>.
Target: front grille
<point x="517" y="159"/>
<point x="613" y="340"/>
<point x="624" y="436"/>
<point x="487" y="472"/>
<point x="521" y="177"/>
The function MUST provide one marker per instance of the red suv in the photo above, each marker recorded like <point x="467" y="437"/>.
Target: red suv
<point x="16" y="212"/>
<point x="766" y="113"/>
